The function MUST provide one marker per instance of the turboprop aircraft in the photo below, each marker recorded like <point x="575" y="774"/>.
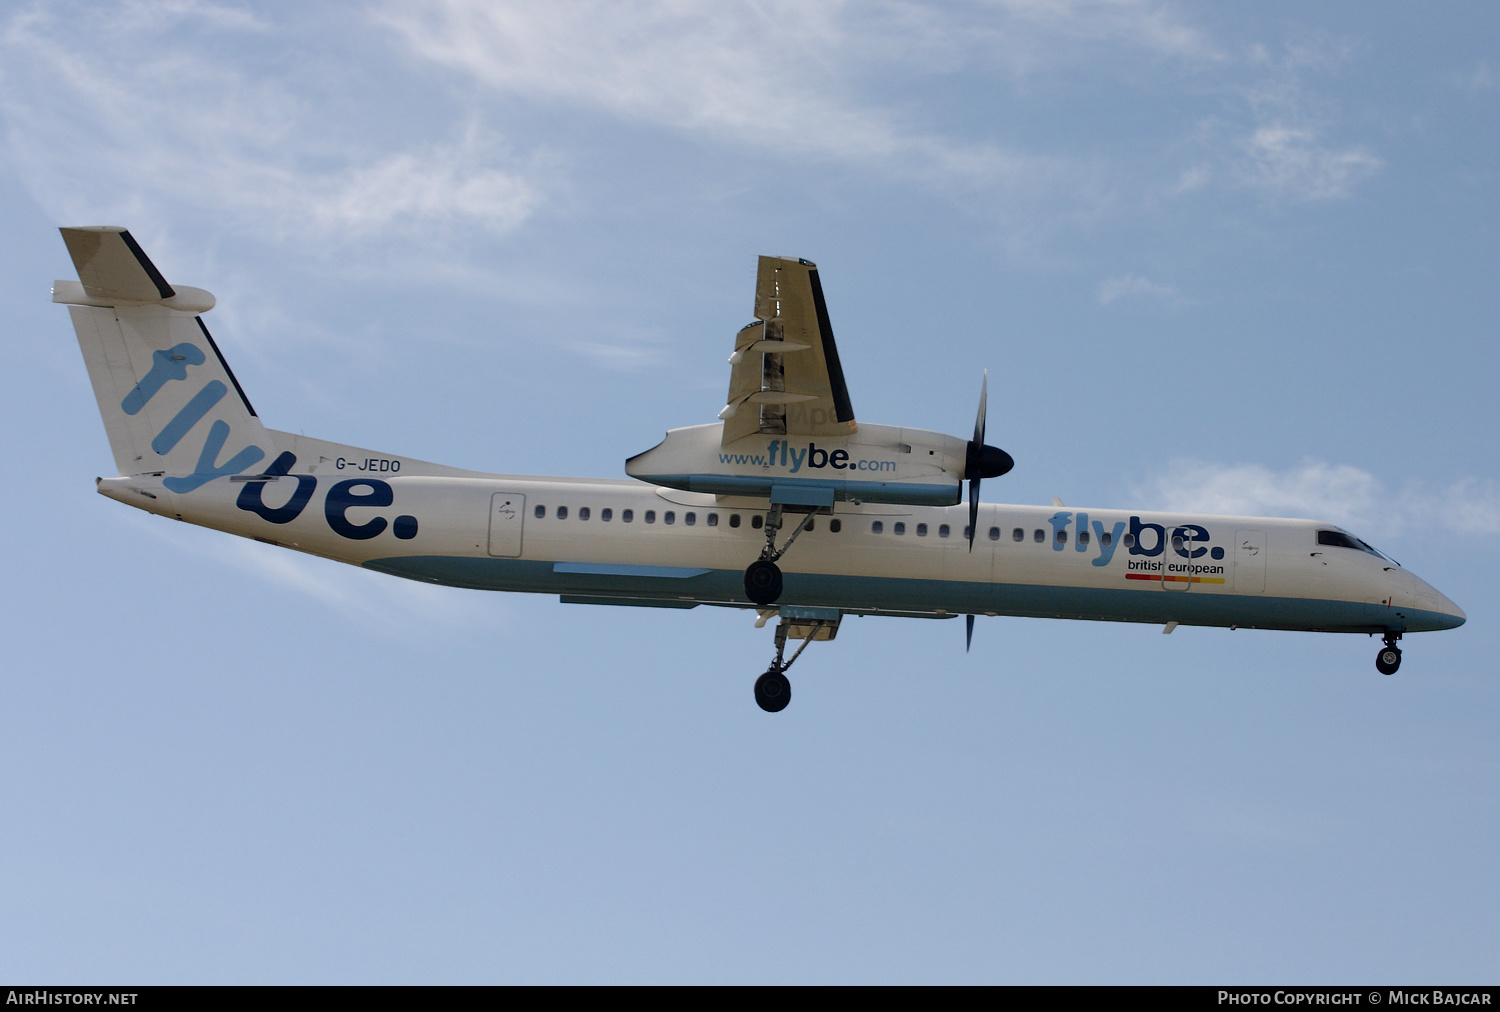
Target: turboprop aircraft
<point x="876" y="514"/>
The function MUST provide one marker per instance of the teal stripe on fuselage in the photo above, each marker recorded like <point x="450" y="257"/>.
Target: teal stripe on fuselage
<point x="875" y="594"/>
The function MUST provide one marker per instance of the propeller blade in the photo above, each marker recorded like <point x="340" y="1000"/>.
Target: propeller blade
<point x="973" y="509"/>
<point x="984" y="390"/>
<point x="968" y="632"/>
<point x="971" y="466"/>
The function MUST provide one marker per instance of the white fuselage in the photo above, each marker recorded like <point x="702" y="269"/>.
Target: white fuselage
<point x="613" y="541"/>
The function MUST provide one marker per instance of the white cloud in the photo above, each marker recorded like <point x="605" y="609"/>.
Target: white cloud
<point x="781" y="76"/>
<point x="1480" y="79"/>
<point x="374" y="601"/>
<point x="1133" y="286"/>
<point x="1286" y="154"/>
<point x="1194" y="177"/>
<point x="1282" y="160"/>
<point x="106" y="123"/>
<point x="1338" y="493"/>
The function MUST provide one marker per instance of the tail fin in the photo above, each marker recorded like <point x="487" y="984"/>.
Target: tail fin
<point x="170" y="404"/>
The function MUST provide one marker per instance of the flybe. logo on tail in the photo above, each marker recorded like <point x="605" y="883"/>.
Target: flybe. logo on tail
<point x="170" y="365"/>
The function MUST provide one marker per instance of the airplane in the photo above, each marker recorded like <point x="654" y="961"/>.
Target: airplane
<point x="873" y="515"/>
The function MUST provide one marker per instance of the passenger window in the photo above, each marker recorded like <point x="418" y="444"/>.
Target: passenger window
<point x="900" y="528"/>
<point x="669" y="517"/>
<point x="1062" y="537"/>
<point x="734" y="520"/>
<point x="583" y="513"/>
<point x="1038" y="535"/>
<point x="1018" y="535"/>
<point x="562" y="512"/>
<point x="968" y="532"/>
<point x="1128" y="541"/>
<point x="651" y="516"/>
<point x="921" y="530"/>
<point x="877" y="527"/>
<point x="812" y="523"/>
<point x="1106" y="539"/>
<point x="1083" y="537"/>
<point x="994" y="534"/>
<point x="757" y="521"/>
<point x="627" y="515"/>
<point x="539" y="512"/>
<point x="944" y="530"/>
<point x="689" y="518"/>
<point x="835" y="525"/>
<point x="713" y="520"/>
<point x="606" y="514"/>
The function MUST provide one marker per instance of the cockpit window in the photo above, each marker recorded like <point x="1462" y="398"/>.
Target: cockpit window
<point x="1338" y="539"/>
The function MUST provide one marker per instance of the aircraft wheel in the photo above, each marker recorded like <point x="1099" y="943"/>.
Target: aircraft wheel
<point x="1388" y="660"/>
<point x="762" y="581"/>
<point x="773" y="691"/>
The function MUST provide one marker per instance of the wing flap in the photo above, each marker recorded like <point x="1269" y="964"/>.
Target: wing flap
<point x="785" y="373"/>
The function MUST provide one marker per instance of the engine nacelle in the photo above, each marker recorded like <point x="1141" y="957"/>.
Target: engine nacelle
<point x="878" y="463"/>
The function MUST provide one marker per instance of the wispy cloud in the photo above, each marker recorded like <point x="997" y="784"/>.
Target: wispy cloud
<point x="105" y="122"/>
<point x="374" y="601"/>
<point x="1339" y="493"/>
<point x="780" y="76"/>
<point x="1287" y="154"/>
<point x="1480" y="79"/>
<point x="1133" y="286"/>
<point x="1291" y="161"/>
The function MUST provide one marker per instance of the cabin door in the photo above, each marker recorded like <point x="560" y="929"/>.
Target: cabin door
<point x="507" y="513"/>
<point x="1173" y="551"/>
<point x="1249" y="562"/>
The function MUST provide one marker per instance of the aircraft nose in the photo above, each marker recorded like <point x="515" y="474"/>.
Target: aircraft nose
<point x="1430" y="599"/>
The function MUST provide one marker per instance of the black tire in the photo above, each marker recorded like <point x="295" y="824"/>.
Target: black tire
<point x="762" y="581"/>
<point x="773" y="691"/>
<point x="1388" y="661"/>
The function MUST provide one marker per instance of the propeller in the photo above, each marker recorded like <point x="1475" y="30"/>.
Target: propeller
<point x="980" y="461"/>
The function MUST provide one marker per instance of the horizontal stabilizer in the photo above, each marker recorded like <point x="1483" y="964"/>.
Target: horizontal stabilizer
<point x="113" y="269"/>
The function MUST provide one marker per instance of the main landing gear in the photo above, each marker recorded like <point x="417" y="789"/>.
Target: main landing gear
<point x="773" y="690"/>
<point x="1388" y="661"/>
<point x="763" y="576"/>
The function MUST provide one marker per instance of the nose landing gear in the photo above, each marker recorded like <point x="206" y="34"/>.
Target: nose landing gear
<point x="763" y="576"/>
<point x="1388" y="661"/>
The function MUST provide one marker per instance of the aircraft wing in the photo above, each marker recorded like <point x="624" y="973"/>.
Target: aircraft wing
<point x="785" y="376"/>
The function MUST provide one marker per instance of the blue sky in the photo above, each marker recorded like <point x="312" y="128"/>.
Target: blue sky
<point x="1223" y="259"/>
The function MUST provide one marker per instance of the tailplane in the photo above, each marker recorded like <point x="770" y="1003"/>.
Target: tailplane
<point x="171" y="405"/>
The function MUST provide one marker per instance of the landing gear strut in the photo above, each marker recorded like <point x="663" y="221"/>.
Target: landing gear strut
<point x="773" y="690"/>
<point x="763" y="576"/>
<point x="1389" y="659"/>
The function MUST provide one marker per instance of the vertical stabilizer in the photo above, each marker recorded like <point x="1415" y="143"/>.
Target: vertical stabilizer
<point x="170" y="404"/>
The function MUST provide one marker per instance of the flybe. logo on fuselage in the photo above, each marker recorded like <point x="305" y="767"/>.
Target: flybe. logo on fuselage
<point x="1155" y="548"/>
